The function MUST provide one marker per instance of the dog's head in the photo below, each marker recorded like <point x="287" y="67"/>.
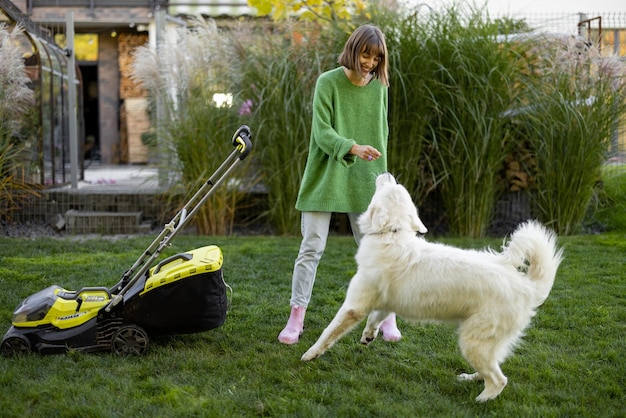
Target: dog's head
<point x="391" y="209"/>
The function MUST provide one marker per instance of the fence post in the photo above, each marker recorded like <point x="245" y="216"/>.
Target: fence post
<point x="71" y="100"/>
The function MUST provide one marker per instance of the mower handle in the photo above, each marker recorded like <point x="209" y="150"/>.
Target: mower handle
<point x="243" y="145"/>
<point x="241" y="139"/>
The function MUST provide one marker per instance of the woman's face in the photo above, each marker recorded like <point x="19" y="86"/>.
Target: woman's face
<point x="368" y="63"/>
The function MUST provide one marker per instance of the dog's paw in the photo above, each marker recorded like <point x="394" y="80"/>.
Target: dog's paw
<point x="484" y="398"/>
<point x="311" y="354"/>
<point x="367" y="340"/>
<point x="487" y="395"/>
<point x="493" y="387"/>
<point x="465" y="377"/>
<point x="368" y="336"/>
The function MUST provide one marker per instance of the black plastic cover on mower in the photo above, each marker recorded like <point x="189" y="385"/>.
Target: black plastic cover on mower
<point x="195" y="304"/>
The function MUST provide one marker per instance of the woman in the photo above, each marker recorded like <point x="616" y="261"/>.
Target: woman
<point x="347" y="151"/>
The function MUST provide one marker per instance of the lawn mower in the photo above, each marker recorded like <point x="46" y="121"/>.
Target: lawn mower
<point x="181" y="294"/>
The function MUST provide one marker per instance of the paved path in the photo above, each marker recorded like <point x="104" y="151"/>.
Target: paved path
<point x="112" y="178"/>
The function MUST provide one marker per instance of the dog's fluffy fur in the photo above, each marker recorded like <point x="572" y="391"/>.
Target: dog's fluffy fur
<point x="491" y="296"/>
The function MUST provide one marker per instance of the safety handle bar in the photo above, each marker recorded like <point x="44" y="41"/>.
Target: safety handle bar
<point x="69" y="295"/>
<point x="183" y="256"/>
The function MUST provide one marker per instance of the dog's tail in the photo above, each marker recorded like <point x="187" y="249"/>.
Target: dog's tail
<point x="533" y="249"/>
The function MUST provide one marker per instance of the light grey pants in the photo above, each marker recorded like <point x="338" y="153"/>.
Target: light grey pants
<point x="314" y="228"/>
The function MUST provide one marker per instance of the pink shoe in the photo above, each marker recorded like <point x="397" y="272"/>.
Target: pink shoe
<point x="390" y="329"/>
<point x="295" y="325"/>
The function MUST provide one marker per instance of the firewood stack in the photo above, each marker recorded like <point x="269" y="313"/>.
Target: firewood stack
<point x="520" y="166"/>
<point x="127" y="43"/>
<point x="133" y="115"/>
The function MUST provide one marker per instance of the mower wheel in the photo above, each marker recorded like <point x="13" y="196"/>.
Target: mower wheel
<point x="130" y="340"/>
<point x="14" y="345"/>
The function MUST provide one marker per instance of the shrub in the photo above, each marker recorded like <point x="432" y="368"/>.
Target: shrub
<point x="572" y="104"/>
<point x="608" y="209"/>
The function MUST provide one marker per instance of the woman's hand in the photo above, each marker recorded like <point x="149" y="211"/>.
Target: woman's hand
<point x="365" y="152"/>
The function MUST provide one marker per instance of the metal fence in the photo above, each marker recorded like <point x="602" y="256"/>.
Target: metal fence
<point x="606" y="30"/>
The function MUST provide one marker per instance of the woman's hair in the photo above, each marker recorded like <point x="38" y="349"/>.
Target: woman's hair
<point x="370" y="39"/>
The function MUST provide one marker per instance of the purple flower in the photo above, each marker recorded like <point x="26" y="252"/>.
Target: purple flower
<point x="246" y="108"/>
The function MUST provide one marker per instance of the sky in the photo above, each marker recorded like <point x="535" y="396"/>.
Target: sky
<point x="542" y="6"/>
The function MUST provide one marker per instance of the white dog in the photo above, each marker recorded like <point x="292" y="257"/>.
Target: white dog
<point x="491" y="296"/>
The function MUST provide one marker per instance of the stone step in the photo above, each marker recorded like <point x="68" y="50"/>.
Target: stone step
<point x="110" y="223"/>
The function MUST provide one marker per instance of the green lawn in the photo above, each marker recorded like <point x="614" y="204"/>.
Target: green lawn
<point x="572" y="362"/>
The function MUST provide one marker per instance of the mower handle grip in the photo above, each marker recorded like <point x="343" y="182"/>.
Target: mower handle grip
<point x="241" y="139"/>
<point x="184" y="256"/>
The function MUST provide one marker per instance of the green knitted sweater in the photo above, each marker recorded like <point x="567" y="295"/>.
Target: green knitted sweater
<point x="343" y="115"/>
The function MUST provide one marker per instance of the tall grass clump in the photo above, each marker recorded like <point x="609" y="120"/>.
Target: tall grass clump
<point x="471" y="85"/>
<point x="185" y="78"/>
<point x="279" y="78"/>
<point x="410" y="154"/>
<point x="572" y="104"/>
<point x="16" y="102"/>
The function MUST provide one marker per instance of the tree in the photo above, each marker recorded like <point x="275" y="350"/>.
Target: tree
<point x="315" y="10"/>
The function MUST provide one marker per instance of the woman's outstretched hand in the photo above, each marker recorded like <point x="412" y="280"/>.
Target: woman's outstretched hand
<point x="365" y="152"/>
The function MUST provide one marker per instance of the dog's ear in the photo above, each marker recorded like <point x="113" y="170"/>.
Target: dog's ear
<point x="373" y="220"/>
<point x="417" y="224"/>
<point x="408" y="208"/>
<point x="380" y="219"/>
